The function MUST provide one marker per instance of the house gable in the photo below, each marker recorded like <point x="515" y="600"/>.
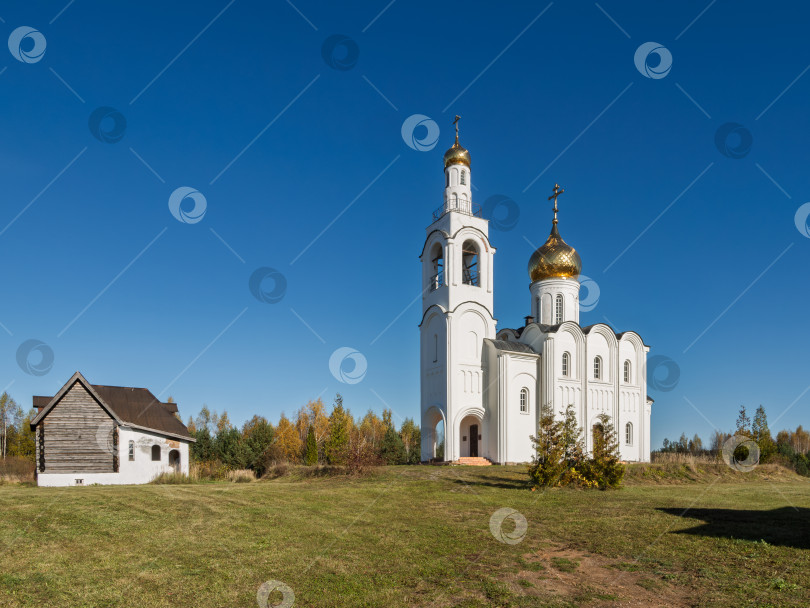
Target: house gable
<point x="76" y="433"/>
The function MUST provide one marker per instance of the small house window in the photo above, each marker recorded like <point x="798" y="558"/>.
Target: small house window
<point x="156" y="453"/>
<point x="524" y="401"/>
<point x="628" y="433"/>
<point x="463" y="178"/>
<point x="558" y="309"/>
<point x="80" y="482"/>
<point x="566" y="364"/>
<point x="132" y="450"/>
<point x="627" y="371"/>
<point x="597" y="368"/>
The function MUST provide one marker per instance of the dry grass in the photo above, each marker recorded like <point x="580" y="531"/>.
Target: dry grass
<point x="16" y="469"/>
<point x="681" y="458"/>
<point x="241" y="476"/>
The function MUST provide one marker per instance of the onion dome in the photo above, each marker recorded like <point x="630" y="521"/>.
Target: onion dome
<point x="456" y="154"/>
<point x="556" y="259"/>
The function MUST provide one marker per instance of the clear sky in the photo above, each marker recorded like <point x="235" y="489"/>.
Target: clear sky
<point x="293" y="140"/>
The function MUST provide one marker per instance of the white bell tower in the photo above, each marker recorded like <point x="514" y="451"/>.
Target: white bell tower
<point x="457" y="314"/>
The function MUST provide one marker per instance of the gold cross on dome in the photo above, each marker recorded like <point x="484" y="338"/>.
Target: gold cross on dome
<point x="455" y="122"/>
<point x="557" y="192"/>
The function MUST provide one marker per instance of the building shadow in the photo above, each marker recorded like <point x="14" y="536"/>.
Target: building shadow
<point x="786" y="526"/>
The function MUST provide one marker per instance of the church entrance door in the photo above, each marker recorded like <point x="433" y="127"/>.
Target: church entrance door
<point x="473" y="440"/>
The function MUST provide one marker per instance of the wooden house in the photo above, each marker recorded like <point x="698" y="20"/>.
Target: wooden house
<point x="94" y="434"/>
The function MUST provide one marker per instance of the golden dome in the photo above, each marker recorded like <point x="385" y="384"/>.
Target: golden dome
<point x="556" y="259"/>
<point x="456" y="155"/>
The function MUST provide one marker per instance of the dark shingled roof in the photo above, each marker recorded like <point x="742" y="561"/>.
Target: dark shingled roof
<point x="517" y="347"/>
<point x="137" y="406"/>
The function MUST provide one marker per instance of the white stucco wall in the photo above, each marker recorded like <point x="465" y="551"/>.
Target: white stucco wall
<point x="138" y="471"/>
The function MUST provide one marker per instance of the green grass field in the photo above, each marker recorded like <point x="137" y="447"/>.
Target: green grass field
<point x="412" y="536"/>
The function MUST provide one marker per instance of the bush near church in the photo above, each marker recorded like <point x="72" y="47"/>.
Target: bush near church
<point x="560" y="453"/>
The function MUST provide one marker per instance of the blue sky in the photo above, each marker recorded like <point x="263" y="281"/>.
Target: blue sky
<point x="303" y="169"/>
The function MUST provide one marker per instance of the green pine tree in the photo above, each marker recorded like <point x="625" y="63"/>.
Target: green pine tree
<point x="392" y="449"/>
<point x="338" y="433"/>
<point x="761" y="434"/>
<point x="311" y="457"/>
<point x="604" y="467"/>
<point x="549" y="463"/>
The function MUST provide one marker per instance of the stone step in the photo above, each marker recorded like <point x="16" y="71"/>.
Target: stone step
<point x="475" y="461"/>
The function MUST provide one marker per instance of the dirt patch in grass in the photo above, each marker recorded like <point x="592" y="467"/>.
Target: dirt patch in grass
<point x="573" y="577"/>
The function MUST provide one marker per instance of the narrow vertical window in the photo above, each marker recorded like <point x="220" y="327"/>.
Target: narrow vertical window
<point x="131" y="451"/>
<point x="566" y="364"/>
<point x="627" y="371"/>
<point x="558" y="309"/>
<point x="628" y="433"/>
<point x="463" y="178"/>
<point x="524" y="401"/>
<point x="469" y="264"/>
<point x="435" y="348"/>
<point x="597" y="368"/>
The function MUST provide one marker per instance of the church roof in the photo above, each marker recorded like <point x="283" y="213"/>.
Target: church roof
<point x="517" y="347"/>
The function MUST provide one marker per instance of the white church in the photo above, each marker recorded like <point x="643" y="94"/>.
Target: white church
<point x="482" y="388"/>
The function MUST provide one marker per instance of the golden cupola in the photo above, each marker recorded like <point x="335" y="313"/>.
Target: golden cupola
<point x="555" y="259"/>
<point x="456" y="154"/>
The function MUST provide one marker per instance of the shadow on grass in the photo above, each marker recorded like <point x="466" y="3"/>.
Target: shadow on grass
<point x="508" y="483"/>
<point x="786" y="526"/>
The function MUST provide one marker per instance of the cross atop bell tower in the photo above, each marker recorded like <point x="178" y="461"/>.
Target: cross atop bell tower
<point x="557" y="192"/>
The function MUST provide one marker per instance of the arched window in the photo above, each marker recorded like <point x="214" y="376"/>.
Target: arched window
<point x="470" y="272"/>
<point x="524" y="401"/>
<point x="627" y="371"/>
<point x="437" y="278"/>
<point x="463" y="177"/>
<point x="435" y="347"/>
<point x="597" y="368"/>
<point x="447" y="179"/>
<point x="132" y="450"/>
<point x="156" y="453"/>
<point x="628" y="433"/>
<point x="598" y="432"/>
<point x="566" y="364"/>
<point x="174" y="460"/>
<point x="558" y="309"/>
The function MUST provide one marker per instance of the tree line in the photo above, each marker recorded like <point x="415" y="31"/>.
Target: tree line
<point x="16" y="436"/>
<point x="312" y="437"/>
<point x="789" y="448"/>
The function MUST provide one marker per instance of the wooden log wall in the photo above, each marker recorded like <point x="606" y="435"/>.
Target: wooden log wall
<point x="78" y="435"/>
